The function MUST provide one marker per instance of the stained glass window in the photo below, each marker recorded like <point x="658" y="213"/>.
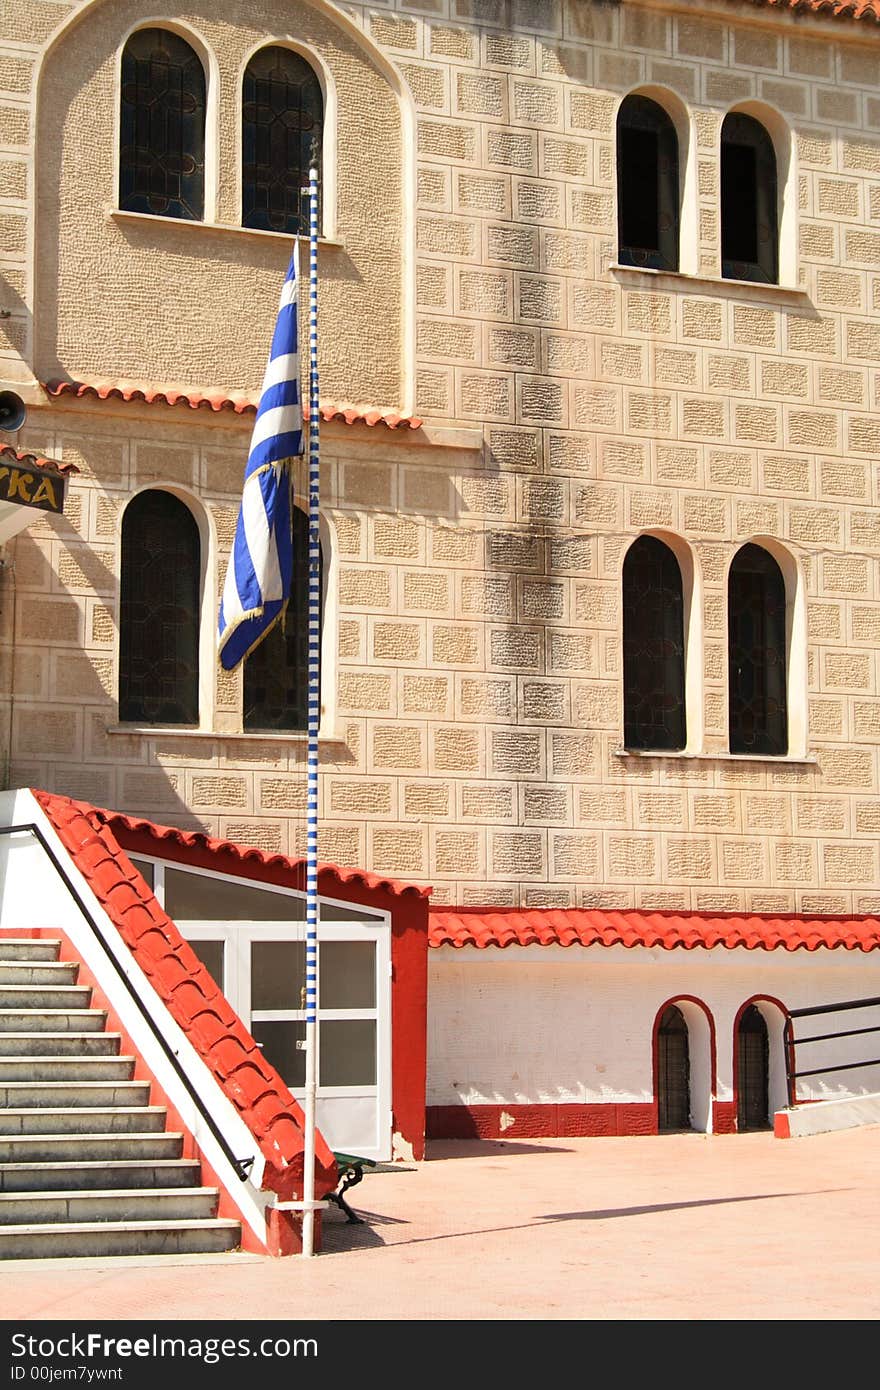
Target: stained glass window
<point x="653" y="647"/>
<point x="282" y="129"/>
<point x="159" y="612"/>
<point x="756" y="654"/>
<point x="162" y="127"/>
<point x="647" y="185"/>
<point x="276" y="672"/>
<point x="749" y="217"/>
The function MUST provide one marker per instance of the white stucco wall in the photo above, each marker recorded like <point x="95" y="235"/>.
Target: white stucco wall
<point x="550" y="1025"/>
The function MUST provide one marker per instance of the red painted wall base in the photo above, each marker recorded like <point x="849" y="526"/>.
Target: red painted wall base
<point x="539" y="1121"/>
<point x="558" y="1121"/>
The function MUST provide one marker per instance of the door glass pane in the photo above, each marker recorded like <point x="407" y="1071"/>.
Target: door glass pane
<point x="332" y="912"/>
<point x="347" y="974"/>
<point x="210" y="953"/>
<point x="348" y="1052"/>
<point x="194" y="898"/>
<point x="144" y="868"/>
<point x="278" y="974"/>
<point x="279" y="1047"/>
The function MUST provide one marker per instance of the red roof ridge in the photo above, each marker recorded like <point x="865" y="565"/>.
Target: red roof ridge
<point x="202" y="840"/>
<point x="832" y="9"/>
<point x="192" y="997"/>
<point x="664" y="928"/>
<point x="32" y="460"/>
<point x="216" y="399"/>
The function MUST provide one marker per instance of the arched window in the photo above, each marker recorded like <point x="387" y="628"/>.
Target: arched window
<point x="159" y="612"/>
<point x="756" y="654"/>
<point x="282" y="131"/>
<point x="673" y="1072"/>
<point x="752" y="1072"/>
<point x="162" y="127"/>
<point x="653" y="647"/>
<point x="647" y="185"/>
<point x="749" y="217"/>
<point x="276" y="672"/>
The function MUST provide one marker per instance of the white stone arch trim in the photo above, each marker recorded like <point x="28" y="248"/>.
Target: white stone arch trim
<point x="406" y="106"/>
<point x="779" y="130"/>
<point x="682" y="119"/>
<point x="329" y="129"/>
<point x="206" y="56"/>
<point x="692" y="600"/>
<point x="701" y="1056"/>
<point x="208" y="585"/>
<point x="774" y="1014"/>
<point x="796" y="687"/>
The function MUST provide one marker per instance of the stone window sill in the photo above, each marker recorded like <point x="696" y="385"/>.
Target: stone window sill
<point x="220" y="735"/>
<point x="753" y="290"/>
<point x="120" y="215"/>
<point x="786" y="759"/>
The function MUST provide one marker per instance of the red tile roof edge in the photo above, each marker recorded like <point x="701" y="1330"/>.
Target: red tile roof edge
<point x="831" y="9"/>
<point x="192" y="998"/>
<point x="37" y="460"/>
<point x="502" y="927"/>
<point x="243" y="853"/>
<point x="239" y="402"/>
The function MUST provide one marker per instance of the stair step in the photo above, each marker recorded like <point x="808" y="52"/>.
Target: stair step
<point x="28" y="948"/>
<point x="119" y="1238"/>
<point x="117" y="1204"/>
<point x="45" y="972"/>
<point x="91" y="1175"/>
<point x="44" y="996"/>
<point x="118" y="1119"/>
<point x="59" y="1044"/>
<point x="74" y="1148"/>
<point x="105" y="1069"/>
<point x="54" y="1095"/>
<point x="17" y="1020"/>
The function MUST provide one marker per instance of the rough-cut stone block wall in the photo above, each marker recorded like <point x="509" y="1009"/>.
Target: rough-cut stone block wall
<point x="473" y="724"/>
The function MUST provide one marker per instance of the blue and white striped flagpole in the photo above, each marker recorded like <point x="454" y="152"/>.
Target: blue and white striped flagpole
<point x="314" y="714"/>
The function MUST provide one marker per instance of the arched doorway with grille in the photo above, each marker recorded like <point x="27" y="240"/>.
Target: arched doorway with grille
<point x="684" y="1066"/>
<point x="758" y="1063"/>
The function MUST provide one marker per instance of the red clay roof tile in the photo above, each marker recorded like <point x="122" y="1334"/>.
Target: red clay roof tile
<point x="191" y="997"/>
<point x="239" y="402"/>
<point x="832" y="9"/>
<point x="243" y="854"/>
<point x="482" y="927"/>
<point x="36" y="461"/>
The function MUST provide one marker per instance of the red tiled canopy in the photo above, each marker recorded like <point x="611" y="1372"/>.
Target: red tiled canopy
<point x="239" y="402"/>
<point x="7" y="451"/>
<point x="192" y="998"/>
<point x="487" y="926"/>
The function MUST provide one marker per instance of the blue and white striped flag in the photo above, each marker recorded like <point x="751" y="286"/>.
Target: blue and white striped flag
<point x="258" y="579"/>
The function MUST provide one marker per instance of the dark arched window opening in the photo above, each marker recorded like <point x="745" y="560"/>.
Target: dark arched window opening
<point x="752" y="1072"/>
<point x="162" y="127"/>
<point x="276" y="672"/>
<point x="653" y="648"/>
<point x="282" y="133"/>
<point x="673" y="1072"/>
<point x="749" y="216"/>
<point x="647" y="185"/>
<point x="159" y="612"/>
<point x="756" y="654"/>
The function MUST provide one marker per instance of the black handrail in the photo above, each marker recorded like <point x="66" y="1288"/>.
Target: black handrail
<point x="791" y="1042"/>
<point x="241" y="1165"/>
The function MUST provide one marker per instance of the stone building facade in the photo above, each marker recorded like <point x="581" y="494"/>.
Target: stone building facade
<point x="507" y="407"/>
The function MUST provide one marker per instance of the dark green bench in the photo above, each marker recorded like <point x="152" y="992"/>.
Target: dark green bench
<point x="351" y="1172"/>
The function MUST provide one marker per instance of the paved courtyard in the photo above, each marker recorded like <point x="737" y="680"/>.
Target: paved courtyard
<point x="683" y="1227"/>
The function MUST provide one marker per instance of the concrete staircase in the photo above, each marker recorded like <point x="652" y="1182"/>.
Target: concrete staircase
<point x="87" y="1166"/>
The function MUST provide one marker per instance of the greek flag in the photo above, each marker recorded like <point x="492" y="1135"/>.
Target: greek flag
<point x="258" y="579"/>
